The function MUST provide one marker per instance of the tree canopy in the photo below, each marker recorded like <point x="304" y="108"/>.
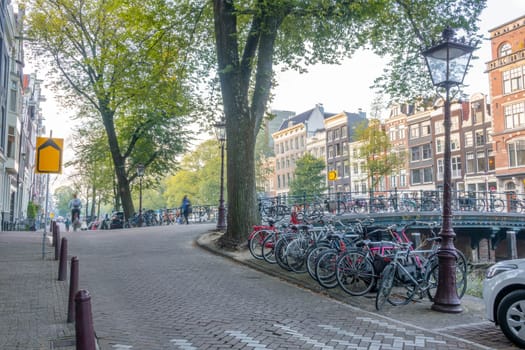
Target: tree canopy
<point x="251" y="37"/>
<point x="308" y="177"/>
<point x="128" y="63"/>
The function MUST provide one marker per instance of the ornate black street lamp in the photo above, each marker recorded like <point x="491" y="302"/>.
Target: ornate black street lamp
<point x="447" y="62"/>
<point x="140" y="174"/>
<point x="220" y="129"/>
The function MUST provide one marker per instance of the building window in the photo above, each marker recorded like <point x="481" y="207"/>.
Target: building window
<point x="440" y="169"/>
<point x="454" y="143"/>
<point x="504" y="50"/>
<point x="480" y="138"/>
<point x="330" y="152"/>
<point x="425" y="128"/>
<point x="11" y="142"/>
<point x="469" y="140"/>
<point x="427" y="175"/>
<point x="346" y="168"/>
<point x="427" y="151"/>
<point x="513" y="80"/>
<point x="516" y="151"/>
<point x="514" y="115"/>
<point x="492" y="161"/>
<point x="471" y="165"/>
<point x="329" y="135"/>
<point x="419" y="176"/>
<point x="414" y="131"/>
<point x="393" y="181"/>
<point x="481" y="161"/>
<point x="415" y="154"/>
<point x="440" y="128"/>
<point x="415" y="177"/>
<point x="439" y="145"/>
<point x="12" y="97"/>
<point x="403" y="178"/>
<point x="456" y="167"/>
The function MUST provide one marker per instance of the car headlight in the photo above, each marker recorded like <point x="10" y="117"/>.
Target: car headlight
<point x="499" y="268"/>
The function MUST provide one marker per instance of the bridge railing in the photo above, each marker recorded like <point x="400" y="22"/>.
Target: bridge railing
<point x="392" y="201"/>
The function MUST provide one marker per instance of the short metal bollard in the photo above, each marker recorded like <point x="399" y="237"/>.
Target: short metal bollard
<point x="57" y="243"/>
<point x="53" y="228"/>
<point x="73" y="288"/>
<point x="85" y="334"/>
<point x="62" y="265"/>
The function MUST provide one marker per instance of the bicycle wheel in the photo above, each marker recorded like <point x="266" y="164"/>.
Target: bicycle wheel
<point x="325" y="269"/>
<point x="360" y="208"/>
<point x="280" y="252"/>
<point x="403" y="290"/>
<point x="355" y="273"/>
<point x="296" y="254"/>
<point x="480" y="205"/>
<point x="313" y="257"/>
<point x="385" y="286"/>
<point x="256" y="241"/>
<point x="498" y="205"/>
<point x="432" y="275"/>
<point x="268" y="249"/>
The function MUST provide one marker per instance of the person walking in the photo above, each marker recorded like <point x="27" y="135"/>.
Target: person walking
<point x="186" y="209"/>
<point x="67" y="224"/>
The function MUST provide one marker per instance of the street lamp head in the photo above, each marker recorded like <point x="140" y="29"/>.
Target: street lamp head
<point x="448" y="60"/>
<point x="140" y="170"/>
<point x="220" y="130"/>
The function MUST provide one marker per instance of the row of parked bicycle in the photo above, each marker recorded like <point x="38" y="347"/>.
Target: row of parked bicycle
<point x="360" y="257"/>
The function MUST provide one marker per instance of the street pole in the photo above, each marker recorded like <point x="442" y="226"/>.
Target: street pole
<point x="221" y="222"/>
<point x="140" y="174"/>
<point x="447" y="62"/>
<point x="140" y="203"/>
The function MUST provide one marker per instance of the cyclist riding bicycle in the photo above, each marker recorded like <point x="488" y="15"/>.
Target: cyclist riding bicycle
<point x="75" y="204"/>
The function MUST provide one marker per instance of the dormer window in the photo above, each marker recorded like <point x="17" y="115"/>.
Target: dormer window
<point x="505" y="50"/>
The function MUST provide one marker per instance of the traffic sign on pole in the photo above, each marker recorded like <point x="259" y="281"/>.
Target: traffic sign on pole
<point x="49" y="155"/>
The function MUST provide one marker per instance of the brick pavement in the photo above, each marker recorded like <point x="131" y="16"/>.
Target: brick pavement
<point x="33" y="303"/>
<point x="470" y="325"/>
<point x="33" y="306"/>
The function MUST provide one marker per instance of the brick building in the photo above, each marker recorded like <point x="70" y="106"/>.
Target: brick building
<point x="506" y="73"/>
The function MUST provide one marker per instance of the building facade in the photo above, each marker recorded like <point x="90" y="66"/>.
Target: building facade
<point x="506" y="73"/>
<point x="20" y="123"/>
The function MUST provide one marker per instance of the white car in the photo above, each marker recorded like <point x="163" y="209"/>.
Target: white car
<point x="504" y="297"/>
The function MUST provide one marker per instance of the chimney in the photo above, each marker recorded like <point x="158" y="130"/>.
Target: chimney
<point x="320" y="107"/>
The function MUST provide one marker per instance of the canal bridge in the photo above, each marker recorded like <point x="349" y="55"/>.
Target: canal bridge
<point x="483" y="236"/>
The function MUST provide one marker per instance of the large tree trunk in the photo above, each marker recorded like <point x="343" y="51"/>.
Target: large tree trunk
<point x="243" y="119"/>
<point x="119" y="162"/>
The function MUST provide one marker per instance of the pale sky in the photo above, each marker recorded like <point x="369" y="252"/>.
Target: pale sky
<point x="340" y="87"/>
<point x="346" y="87"/>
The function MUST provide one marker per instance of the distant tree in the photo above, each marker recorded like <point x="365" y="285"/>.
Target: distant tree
<point x="198" y="177"/>
<point x="375" y="147"/>
<point x="62" y="196"/>
<point x="308" y="177"/>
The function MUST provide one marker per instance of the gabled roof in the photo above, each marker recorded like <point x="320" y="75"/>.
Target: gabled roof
<point x="301" y="118"/>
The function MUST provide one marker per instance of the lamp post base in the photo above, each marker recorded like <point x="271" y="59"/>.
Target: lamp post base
<point x="446" y="299"/>
<point x="221" y="221"/>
